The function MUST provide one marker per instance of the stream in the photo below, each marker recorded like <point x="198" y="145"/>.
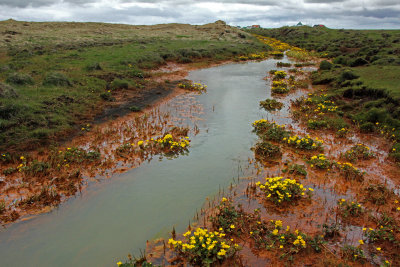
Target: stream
<point x="114" y="217"/>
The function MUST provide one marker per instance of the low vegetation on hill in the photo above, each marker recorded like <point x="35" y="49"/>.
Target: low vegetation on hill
<point x="56" y="77"/>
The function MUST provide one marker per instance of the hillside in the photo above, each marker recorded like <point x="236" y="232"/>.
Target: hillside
<point x="57" y="76"/>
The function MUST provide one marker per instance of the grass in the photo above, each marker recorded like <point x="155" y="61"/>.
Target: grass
<point x="59" y="87"/>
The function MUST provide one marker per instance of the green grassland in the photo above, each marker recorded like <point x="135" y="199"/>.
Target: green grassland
<point x="55" y="77"/>
<point x="362" y="70"/>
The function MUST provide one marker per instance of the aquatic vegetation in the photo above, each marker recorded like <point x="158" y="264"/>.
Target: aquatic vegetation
<point x="342" y="132"/>
<point x="271" y="104"/>
<point x="227" y="216"/>
<point x="316" y="124"/>
<point x="354" y="253"/>
<point x="280" y="190"/>
<point x="283" y="64"/>
<point x="267" y="150"/>
<point x="279" y="75"/>
<point x="46" y="197"/>
<point x="270" y="130"/>
<point x="350" y="172"/>
<point x="394" y="152"/>
<point x="279" y="87"/>
<point x="349" y="208"/>
<point x="320" y="161"/>
<point x="306" y="143"/>
<point x="203" y="247"/>
<point x="273" y="235"/>
<point x="295" y="169"/>
<point x="378" y="194"/>
<point x="74" y="155"/>
<point x="167" y="144"/>
<point x="357" y="152"/>
<point x="2" y="207"/>
<point x="380" y="234"/>
<point x="191" y="86"/>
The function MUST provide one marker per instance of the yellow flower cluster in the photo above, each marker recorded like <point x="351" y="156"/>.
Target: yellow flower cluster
<point x="274" y="43"/>
<point x="299" y="241"/>
<point x="205" y="243"/>
<point x="192" y="86"/>
<point x="320" y="161"/>
<point x="280" y="83"/>
<point x="279" y="75"/>
<point x="165" y="142"/>
<point x="279" y="189"/>
<point x="323" y="108"/>
<point x="304" y="142"/>
<point x="260" y="122"/>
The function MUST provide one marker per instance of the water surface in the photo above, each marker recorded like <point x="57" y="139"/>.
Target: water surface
<point x="116" y="216"/>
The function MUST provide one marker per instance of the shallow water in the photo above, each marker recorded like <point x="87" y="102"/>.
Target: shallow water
<point x="116" y="216"/>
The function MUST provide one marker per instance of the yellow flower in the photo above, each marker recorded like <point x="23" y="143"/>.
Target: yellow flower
<point x="22" y="157"/>
<point x="119" y="263"/>
<point x="232" y="226"/>
<point x="378" y="249"/>
<point x="361" y="242"/>
<point x="224" y="199"/>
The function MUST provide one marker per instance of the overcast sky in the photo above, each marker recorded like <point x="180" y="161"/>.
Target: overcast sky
<point x="356" y="14"/>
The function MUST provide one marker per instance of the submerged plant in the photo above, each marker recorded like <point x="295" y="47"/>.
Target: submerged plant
<point x="271" y="104"/>
<point x="357" y="152"/>
<point x="349" y="208"/>
<point x="265" y="149"/>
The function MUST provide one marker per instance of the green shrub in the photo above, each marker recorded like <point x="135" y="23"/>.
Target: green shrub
<point x="348" y="75"/>
<point x="358" y="62"/>
<point x="19" y="78"/>
<point x="107" y="96"/>
<point x="367" y="127"/>
<point x="119" y="84"/>
<point x="7" y="91"/>
<point x="56" y="79"/>
<point x="324" y="77"/>
<point x="317" y="124"/>
<point x="135" y="109"/>
<point x="93" y="66"/>
<point x="136" y="73"/>
<point x="184" y="60"/>
<point x="325" y="65"/>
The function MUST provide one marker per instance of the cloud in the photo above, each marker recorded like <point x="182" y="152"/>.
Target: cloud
<point x="267" y="13"/>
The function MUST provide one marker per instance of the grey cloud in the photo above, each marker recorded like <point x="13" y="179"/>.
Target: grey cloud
<point x="323" y="1"/>
<point x="268" y="13"/>
<point x="24" y="3"/>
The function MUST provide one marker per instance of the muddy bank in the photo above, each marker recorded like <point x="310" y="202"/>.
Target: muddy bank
<point x="350" y="214"/>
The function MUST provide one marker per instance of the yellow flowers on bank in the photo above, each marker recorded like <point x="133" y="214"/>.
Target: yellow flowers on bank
<point x="168" y="143"/>
<point x="203" y="245"/>
<point x="306" y="143"/>
<point x="320" y="161"/>
<point x="189" y="85"/>
<point x="300" y="241"/>
<point x="279" y="189"/>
